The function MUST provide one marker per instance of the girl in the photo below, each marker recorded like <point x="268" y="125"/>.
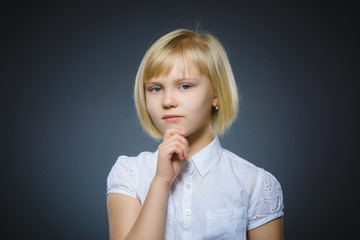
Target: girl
<point x="190" y="188"/>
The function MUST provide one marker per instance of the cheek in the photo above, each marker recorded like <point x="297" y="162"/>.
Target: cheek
<point x="151" y="109"/>
<point x="200" y="106"/>
<point x="151" y="112"/>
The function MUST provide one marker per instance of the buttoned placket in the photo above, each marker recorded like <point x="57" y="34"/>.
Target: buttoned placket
<point x="188" y="170"/>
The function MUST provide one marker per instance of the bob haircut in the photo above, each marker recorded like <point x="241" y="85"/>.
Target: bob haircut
<point x="210" y="59"/>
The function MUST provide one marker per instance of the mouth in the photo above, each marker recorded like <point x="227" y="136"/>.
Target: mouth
<point x="172" y="118"/>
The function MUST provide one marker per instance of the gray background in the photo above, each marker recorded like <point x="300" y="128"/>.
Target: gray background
<point x="67" y="73"/>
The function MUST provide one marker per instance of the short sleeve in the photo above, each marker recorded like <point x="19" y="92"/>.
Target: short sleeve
<point x="267" y="201"/>
<point x="123" y="176"/>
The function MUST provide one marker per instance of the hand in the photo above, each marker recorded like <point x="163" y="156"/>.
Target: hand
<point x="171" y="152"/>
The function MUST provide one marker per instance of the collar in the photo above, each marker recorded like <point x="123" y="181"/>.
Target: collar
<point x="208" y="157"/>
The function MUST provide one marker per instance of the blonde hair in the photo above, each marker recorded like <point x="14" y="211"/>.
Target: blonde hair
<point x="210" y="59"/>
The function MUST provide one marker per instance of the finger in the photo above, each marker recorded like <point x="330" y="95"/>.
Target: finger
<point x="175" y="140"/>
<point x="174" y="147"/>
<point x="172" y="131"/>
<point x="184" y="146"/>
<point x="180" y="153"/>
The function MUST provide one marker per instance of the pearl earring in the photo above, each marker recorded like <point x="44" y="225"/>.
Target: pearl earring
<point x="217" y="107"/>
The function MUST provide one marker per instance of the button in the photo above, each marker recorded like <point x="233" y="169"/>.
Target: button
<point x="187" y="212"/>
<point x="188" y="186"/>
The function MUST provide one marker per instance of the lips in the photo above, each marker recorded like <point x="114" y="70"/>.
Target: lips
<point x="172" y="118"/>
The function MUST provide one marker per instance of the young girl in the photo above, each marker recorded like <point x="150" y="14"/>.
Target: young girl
<point x="190" y="188"/>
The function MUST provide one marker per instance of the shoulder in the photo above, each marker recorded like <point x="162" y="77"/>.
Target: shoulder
<point x="126" y="171"/>
<point x="134" y="161"/>
<point x="255" y="179"/>
<point x="241" y="166"/>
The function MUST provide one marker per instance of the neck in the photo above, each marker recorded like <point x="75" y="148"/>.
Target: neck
<point x="199" y="140"/>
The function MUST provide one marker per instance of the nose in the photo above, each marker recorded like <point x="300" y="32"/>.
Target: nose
<point x="169" y="100"/>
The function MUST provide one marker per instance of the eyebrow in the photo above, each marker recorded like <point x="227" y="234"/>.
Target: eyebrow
<point x="148" y="83"/>
<point x="155" y="81"/>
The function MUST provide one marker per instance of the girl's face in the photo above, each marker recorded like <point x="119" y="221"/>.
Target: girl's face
<point x="181" y="101"/>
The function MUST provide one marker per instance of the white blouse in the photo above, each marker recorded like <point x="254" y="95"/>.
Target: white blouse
<point x="216" y="195"/>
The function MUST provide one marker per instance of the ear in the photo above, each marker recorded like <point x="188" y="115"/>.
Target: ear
<point x="215" y="99"/>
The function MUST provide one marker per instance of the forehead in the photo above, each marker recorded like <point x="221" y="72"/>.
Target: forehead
<point x="174" y="67"/>
<point x="184" y="69"/>
<point x="176" y="76"/>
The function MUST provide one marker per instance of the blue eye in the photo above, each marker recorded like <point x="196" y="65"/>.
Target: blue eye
<point x="155" y="89"/>
<point x="185" y="87"/>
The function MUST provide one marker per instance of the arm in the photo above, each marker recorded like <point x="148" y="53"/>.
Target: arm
<point x="123" y="211"/>
<point x="269" y="231"/>
<point x="127" y="218"/>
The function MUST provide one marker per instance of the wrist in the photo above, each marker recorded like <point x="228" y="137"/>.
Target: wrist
<point x="161" y="183"/>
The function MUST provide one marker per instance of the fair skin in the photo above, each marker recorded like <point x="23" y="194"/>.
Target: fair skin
<point x="180" y="106"/>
